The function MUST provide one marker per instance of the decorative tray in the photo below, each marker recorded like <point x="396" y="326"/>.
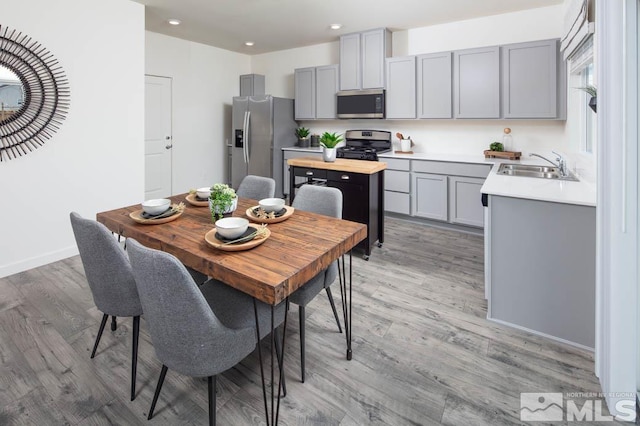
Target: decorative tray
<point x="284" y="214"/>
<point x="195" y="201"/>
<point x="141" y="217"/>
<point x="214" y="240"/>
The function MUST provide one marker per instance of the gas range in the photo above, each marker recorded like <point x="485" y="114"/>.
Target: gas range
<point x="365" y="144"/>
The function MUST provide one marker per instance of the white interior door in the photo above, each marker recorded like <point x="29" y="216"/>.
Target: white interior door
<point x="158" y="137"/>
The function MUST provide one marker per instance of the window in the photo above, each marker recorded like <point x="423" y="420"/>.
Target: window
<point x="582" y="75"/>
<point x="588" y="122"/>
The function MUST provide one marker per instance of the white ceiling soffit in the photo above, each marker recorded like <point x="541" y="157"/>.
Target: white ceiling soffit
<point x="285" y="24"/>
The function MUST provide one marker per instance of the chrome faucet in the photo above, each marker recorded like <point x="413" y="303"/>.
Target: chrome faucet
<point x="562" y="163"/>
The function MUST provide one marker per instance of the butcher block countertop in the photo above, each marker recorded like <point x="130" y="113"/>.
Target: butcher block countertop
<point x="341" y="165"/>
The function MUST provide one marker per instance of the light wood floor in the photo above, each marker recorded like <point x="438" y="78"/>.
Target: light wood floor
<point x="423" y="351"/>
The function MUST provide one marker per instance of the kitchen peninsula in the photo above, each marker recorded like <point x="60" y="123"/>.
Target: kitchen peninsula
<point x="362" y="186"/>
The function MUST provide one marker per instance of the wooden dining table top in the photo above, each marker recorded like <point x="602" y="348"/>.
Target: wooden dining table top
<point x="297" y="249"/>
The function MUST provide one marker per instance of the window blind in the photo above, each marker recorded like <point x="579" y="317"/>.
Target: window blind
<point x="577" y="27"/>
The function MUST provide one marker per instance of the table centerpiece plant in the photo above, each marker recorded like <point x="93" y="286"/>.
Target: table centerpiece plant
<point x="329" y="141"/>
<point x="223" y="199"/>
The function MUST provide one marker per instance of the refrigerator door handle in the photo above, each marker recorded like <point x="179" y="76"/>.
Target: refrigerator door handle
<point x="248" y="136"/>
<point x="244" y="137"/>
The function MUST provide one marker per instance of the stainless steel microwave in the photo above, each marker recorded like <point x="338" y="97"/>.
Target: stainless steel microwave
<point x="360" y="103"/>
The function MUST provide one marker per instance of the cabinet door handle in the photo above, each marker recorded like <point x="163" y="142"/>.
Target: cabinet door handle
<point x="344" y="177"/>
<point x="309" y="173"/>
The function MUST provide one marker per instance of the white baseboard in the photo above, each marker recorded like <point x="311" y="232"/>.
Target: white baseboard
<point x="34" y="262"/>
<point x="548" y="336"/>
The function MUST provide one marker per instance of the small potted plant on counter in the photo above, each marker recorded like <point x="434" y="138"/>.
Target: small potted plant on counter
<point x="223" y="199"/>
<point x="303" y="137"/>
<point x="328" y="141"/>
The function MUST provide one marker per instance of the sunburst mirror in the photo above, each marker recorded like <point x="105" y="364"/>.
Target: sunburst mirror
<point x="34" y="94"/>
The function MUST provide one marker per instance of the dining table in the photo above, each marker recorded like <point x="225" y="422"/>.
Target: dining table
<point x="295" y="250"/>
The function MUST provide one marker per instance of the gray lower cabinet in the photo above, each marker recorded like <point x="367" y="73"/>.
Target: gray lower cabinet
<point x="476" y="82"/>
<point x="429" y="196"/>
<point x="465" y="206"/>
<point x="542" y="267"/>
<point x="400" y="94"/>
<point x="448" y="191"/>
<point x="434" y="85"/>
<point x="288" y="154"/>
<point x="397" y="186"/>
<point x="305" y="93"/>
<point x="530" y="79"/>
<point x="327" y="84"/>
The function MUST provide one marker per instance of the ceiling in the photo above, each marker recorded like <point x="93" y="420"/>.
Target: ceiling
<point x="285" y="24"/>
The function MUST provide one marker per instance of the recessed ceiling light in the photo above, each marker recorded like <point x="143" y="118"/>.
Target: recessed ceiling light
<point x="335" y="26"/>
<point x="248" y="43"/>
<point x="174" y="21"/>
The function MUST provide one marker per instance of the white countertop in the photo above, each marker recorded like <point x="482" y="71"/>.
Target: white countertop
<point x="551" y="190"/>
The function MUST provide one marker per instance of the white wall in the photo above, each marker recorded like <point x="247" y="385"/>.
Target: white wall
<point x="450" y="136"/>
<point x="95" y="161"/>
<point x="205" y="79"/>
<point x="277" y="67"/>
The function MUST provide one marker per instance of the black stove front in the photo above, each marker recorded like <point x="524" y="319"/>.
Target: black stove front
<point x="365" y="144"/>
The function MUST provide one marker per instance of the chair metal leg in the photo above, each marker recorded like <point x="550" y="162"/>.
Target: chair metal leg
<point x="114" y="324"/>
<point x="134" y="355"/>
<point x="102" y="324"/>
<point x="280" y="356"/>
<point x="333" y="307"/>
<point x="301" y="316"/>
<point x="157" y="393"/>
<point x="212" y="400"/>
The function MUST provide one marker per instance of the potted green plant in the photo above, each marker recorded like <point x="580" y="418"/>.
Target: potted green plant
<point x="592" y="91"/>
<point x="303" y="136"/>
<point x="328" y="141"/>
<point x="223" y="199"/>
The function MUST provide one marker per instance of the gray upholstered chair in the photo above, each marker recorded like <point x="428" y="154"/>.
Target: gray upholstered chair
<point x="111" y="281"/>
<point x="256" y="187"/>
<point x="326" y="201"/>
<point x="196" y="331"/>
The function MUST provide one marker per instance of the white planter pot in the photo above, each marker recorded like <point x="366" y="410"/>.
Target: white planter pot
<point x="329" y="154"/>
<point x="230" y="209"/>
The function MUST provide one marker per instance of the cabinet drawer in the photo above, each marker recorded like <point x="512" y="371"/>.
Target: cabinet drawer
<point x="311" y="173"/>
<point x="447" y="168"/>
<point x="397" y="181"/>
<point x="397" y="202"/>
<point x="396" y="164"/>
<point x="355" y="178"/>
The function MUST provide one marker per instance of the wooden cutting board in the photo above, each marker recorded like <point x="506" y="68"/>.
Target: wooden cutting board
<point x="510" y="155"/>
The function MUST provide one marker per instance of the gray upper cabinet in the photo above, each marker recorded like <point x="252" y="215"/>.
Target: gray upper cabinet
<point x="305" y="93"/>
<point x="434" y="85"/>
<point x="327" y="84"/>
<point x="476" y="82"/>
<point x="362" y="57"/>
<point x="350" y="65"/>
<point x="401" y="87"/>
<point x="251" y="84"/>
<point x="529" y="80"/>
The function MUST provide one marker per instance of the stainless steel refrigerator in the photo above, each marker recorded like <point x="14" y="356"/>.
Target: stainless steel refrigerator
<point x="262" y="126"/>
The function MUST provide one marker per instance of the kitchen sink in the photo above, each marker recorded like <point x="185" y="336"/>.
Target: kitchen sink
<point x="526" y="170"/>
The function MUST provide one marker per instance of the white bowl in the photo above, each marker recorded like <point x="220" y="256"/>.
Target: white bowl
<point x="232" y="227"/>
<point x="203" y="192"/>
<point x="272" y="204"/>
<point x="156" y="206"/>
